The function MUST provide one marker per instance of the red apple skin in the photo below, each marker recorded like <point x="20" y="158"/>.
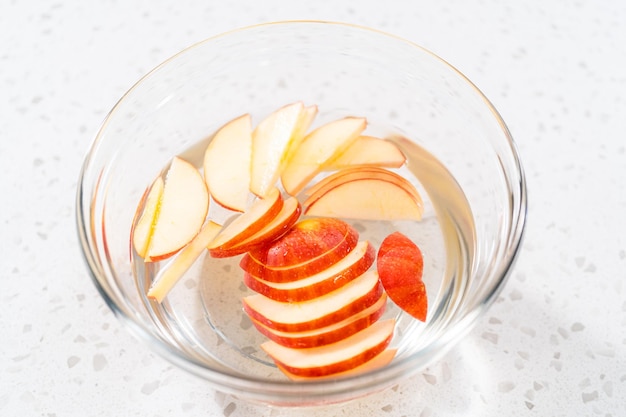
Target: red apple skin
<point x="346" y="311"/>
<point x="307" y="240"/>
<point x="251" y="265"/>
<point x="400" y="266"/>
<point x="324" y="338"/>
<point x="318" y="289"/>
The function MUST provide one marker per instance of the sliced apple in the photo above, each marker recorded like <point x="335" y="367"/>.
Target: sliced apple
<point x="262" y="212"/>
<point x="227" y="164"/>
<point x="382" y="359"/>
<point x="328" y="334"/>
<point x="174" y="271"/>
<point x="143" y="228"/>
<point x="366" y="199"/>
<point x="319" y="148"/>
<point x="336" y="357"/>
<point x="330" y="279"/>
<point x="279" y="225"/>
<point x="182" y="210"/>
<point x="369" y="151"/>
<point x="400" y="266"/>
<point x="304" y="123"/>
<point x="328" y="309"/>
<point x="271" y="140"/>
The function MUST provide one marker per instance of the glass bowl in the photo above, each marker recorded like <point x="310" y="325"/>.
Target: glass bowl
<point x="460" y="156"/>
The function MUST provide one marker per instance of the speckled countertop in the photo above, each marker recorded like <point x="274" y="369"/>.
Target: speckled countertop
<point x="554" y="344"/>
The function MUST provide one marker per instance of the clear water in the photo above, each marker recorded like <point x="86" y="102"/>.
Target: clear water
<point x="203" y="314"/>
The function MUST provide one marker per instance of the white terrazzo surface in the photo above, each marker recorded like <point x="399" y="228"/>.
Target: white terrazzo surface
<point x="553" y="345"/>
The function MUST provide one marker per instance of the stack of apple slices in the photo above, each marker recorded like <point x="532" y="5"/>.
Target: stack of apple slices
<point x="317" y="299"/>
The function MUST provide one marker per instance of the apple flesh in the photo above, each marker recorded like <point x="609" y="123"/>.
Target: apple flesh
<point x="182" y="209"/>
<point x="328" y="309"/>
<point x="400" y="266"/>
<point x="328" y="334"/>
<point x="227" y="164"/>
<point x="142" y="230"/>
<point x="319" y="148"/>
<point x="333" y="358"/>
<point x="330" y="279"/>
<point x="369" y="151"/>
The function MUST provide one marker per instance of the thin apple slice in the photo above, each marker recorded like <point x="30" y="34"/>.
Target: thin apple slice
<point x="328" y="334"/>
<point x="400" y="266"/>
<point x="323" y="311"/>
<point x="271" y="140"/>
<point x="369" y="151"/>
<point x="330" y="279"/>
<point x="143" y="228"/>
<point x="174" y="271"/>
<point x="305" y="121"/>
<point x="319" y="148"/>
<point x="382" y="359"/>
<point x="262" y="212"/>
<point x="227" y="164"/>
<point x="182" y="210"/>
<point x="279" y="225"/>
<point x="336" y="357"/>
<point x="366" y="199"/>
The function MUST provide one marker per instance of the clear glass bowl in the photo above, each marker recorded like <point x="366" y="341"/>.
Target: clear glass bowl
<point x="459" y="149"/>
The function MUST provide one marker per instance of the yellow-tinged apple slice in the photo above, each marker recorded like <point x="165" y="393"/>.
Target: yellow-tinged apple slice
<point x="369" y="151"/>
<point x="262" y="212"/>
<point x="366" y="199"/>
<point x="382" y="359"/>
<point x="355" y="296"/>
<point x="142" y="231"/>
<point x="183" y="207"/>
<point x="319" y="148"/>
<point x="174" y="271"/>
<point x="308" y="287"/>
<point x="279" y="225"/>
<point x="304" y="123"/>
<point x="336" y="357"/>
<point x="329" y="334"/>
<point x="271" y="140"/>
<point x="227" y="164"/>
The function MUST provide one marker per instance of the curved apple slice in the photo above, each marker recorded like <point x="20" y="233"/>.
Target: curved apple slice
<point x="319" y="148"/>
<point x="323" y="311"/>
<point x="182" y="210"/>
<point x="367" y="199"/>
<point x="329" y="334"/>
<point x="336" y="357"/>
<point x="279" y="225"/>
<point x="369" y="151"/>
<point x="262" y="211"/>
<point x="382" y="359"/>
<point x="142" y="231"/>
<point x="306" y="288"/>
<point x="227" y="164"/>
<point x="400" y="266"/>
<point x="271" y="140"/>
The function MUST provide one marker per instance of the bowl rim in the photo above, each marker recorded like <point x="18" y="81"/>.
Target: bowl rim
<point x="287" y="391"/>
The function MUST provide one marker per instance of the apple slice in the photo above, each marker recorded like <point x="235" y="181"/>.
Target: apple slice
<point x="174" y="271"/>
<point x="271" y="140"/>
<point x="369" y="151"/>
<point x="142" y="230"/>
<point x="350" y="267"/>
<point x="400" y="266"/>
<point x="366" y="199"/>
<point x="262" y="212"/>
<point x="336" y="357"/>
<point x="328" y="309"/>
<point x="304" y="123"/>
<point x="382" y="359"/>
<point x="182" y="209"/>
<point x="227" y="164"/>
<point x="279" y="225"/>
<point x="319" y="148"/>
<point x="328" y="334"/>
